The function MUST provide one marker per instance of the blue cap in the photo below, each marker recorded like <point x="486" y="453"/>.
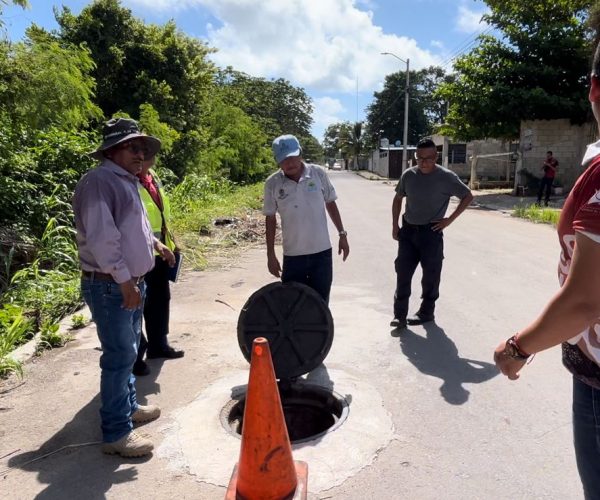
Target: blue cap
<point x="285" y="146"/>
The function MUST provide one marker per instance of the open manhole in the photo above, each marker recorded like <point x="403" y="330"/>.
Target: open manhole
<point x="299" y="328"/>
<point x="310" y="412"/>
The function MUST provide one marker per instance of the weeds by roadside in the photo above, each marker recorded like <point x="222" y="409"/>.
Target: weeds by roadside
<point x="195" y="207"/>
<point x="37" y="296"/>
<point x="536" y="213"/>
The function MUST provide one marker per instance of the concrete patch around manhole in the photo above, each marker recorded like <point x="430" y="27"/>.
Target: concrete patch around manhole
<point x="197" y="442"/>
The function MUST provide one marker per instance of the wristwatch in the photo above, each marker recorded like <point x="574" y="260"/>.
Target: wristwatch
<point x="514" y="351"/>
<point x="343" y="233"/>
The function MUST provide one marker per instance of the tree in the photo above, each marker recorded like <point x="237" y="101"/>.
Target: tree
<point x="236" y="147"/>
<point x="278" y="106"/>
<point x="139" y="64"/>
<point x="385" y="115"/>
<point x="21" y="3"/>
<point x="536" y="70"/>
<point x="43" y="83"/>
<point x="334" y="139"/>
<point x="312" y="151"/>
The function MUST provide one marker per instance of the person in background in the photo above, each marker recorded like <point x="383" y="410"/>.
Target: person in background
<point x="116" y="249"/>
<point x="427" y="188"/>
<point x="572" y="316"/>
<point x="158" y="293"/>
<point x="549" y="167"/>
<point x="301" y="193"/>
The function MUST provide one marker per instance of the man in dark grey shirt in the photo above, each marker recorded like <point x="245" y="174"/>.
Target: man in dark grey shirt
<point x="427" y="188"/>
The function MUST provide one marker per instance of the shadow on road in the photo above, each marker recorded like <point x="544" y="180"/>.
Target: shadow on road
<point x="436" y="355"/>
<point x="77" y="471"/>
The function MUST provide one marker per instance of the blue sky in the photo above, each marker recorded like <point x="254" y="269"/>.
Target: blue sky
<point x="331" y="48"/>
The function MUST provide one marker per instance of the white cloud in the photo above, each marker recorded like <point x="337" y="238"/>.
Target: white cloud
<point x="327" y="110"/>
<point x="438" y="45"/>
<point x="469" y="21"/>
<point x="319" y="44"/>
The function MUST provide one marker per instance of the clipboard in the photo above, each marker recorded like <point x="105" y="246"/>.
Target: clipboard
<point x="176" y="269"/>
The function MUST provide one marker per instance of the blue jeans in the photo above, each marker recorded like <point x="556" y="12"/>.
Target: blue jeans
<point x="418" y="245"/>
<point x="586" y="437"/>
<point x="119" y="333"/>
<point x="314" y="270"/>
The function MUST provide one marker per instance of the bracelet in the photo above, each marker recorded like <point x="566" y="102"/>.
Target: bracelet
<point x="343" y="233"/>
<point x="516" y="351"/>
<point x="521" y="351"/>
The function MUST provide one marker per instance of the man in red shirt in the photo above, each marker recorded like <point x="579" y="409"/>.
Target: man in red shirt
<point x="549" y="167"/>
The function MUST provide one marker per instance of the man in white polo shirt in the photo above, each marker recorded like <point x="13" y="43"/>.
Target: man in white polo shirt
<point x="301" y="192"/>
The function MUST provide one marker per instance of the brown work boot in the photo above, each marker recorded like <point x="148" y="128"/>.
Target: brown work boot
<point x="131" y="445"/>
<point x="145" y="413"/>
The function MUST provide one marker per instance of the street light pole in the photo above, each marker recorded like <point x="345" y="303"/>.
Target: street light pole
<point x="406" y="95"/>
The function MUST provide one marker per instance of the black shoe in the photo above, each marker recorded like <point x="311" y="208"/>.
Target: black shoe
<point x="398" y="323"/>
<point x="419" y="319"/>
<point x="166" y="352"/>
<point x="140" y="369"/>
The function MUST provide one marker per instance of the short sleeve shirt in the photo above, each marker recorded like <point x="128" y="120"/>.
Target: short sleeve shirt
<point x="581" y="212"/>
<point x="301" y="207"/>
<point x="428" y="195"/>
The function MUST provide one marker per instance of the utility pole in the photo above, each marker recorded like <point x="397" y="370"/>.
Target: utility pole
<point x="406" y="97"/>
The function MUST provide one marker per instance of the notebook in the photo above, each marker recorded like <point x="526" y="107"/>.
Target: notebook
<point x="176" y="269"/>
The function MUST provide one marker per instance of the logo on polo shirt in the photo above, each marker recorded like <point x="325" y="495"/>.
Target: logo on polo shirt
<point x="282" y="194"/>
<point x="311" y="187"/>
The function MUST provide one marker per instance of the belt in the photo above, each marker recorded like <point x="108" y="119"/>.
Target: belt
<point x="416" y="226"/>
<point x="97" y="275"/>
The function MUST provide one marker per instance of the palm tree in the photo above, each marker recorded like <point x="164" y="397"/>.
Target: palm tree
<point x="354" y="142"/>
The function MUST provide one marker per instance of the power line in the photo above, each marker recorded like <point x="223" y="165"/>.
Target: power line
<point x="465" y="45"/>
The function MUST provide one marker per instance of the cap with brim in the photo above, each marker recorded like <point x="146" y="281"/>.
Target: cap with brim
<point x="285" y="146"/>
<point x="119" y="130"/>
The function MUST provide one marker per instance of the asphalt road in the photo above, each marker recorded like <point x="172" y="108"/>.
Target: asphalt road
<point x="429" y="418"/>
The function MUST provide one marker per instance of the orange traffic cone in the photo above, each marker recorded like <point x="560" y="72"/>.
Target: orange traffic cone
<point x="266" y="469"/>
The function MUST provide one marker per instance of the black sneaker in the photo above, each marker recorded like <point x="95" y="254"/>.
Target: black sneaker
<point x="398" y="323"/>
<point x="140" y="369"/>
<point x="419" y="319"/>
<point x="166" y="352"/>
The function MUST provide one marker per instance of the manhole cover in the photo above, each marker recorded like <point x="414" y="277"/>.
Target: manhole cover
<point x="296" y="322"/>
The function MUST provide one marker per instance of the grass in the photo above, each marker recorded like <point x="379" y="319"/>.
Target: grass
<point x="78" y="321"/>
<point x="193" y="222"/>
<point x="536" y="213"/>
<point x="41" y="294"/>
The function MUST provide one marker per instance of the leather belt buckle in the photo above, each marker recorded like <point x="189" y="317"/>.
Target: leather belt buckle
<point x="97" y="275"/>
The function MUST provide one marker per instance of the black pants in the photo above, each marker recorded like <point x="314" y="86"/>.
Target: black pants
<point x="156" y="309"/>
<point x="418" y="245"/>
<point x="314" y="270"/>
<point x="546" y="183"/>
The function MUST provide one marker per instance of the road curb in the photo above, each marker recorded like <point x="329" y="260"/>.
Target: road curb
<point x="29" y="350"/>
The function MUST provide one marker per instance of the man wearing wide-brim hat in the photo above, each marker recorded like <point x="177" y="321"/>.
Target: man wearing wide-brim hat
<point x="116" y="249"/>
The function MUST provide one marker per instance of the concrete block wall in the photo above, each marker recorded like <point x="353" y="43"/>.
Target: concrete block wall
<point x="487" y="168"/>
<point x="567" y="142"/>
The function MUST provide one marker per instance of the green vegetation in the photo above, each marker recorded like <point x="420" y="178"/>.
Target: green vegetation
<point x="50" y="336"/>
<point x="536" y="213"/>
<point x="56" y="89"/>
<point x="78" y="321"/>
<point x="534" y="69"/>
<point x="196" y="203"/>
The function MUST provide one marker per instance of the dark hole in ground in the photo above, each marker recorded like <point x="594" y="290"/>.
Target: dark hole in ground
<point x="309" y="411"/>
